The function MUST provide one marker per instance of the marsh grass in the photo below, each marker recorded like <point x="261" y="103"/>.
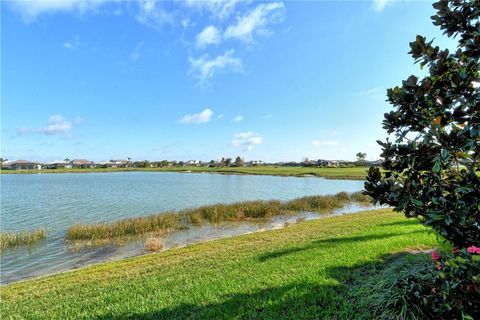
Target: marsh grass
<point x="22" y="238"/>
<point x="153" y="244"/>
<point x="258" y="210"/>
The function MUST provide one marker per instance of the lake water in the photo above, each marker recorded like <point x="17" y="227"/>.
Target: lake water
<point x="56" y="201"/>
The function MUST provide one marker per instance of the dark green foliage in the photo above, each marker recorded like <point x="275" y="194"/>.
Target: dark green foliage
<point x="412" y="286"/>
<point x="432" y="164"/>
<point x="455" y="291"/>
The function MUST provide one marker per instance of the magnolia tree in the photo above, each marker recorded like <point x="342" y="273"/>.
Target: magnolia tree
<point x="432" y="165"/>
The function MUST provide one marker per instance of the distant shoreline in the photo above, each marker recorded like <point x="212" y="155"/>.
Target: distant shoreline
<point x="352" y="173"/>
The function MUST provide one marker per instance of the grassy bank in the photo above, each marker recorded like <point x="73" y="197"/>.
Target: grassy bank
<point x="242" y="211"/>
<point x="22" y="238"/>
<point x="291" y="273"/>
<point x="358" y="173"/>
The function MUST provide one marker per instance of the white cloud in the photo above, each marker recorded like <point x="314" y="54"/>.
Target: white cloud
<point x="30" y="10"/>
<point x="374" y="93"/>
<point x="209" y="35"/>
<point x="238" y="119"/>
<point x="153" y="15"/>
<point x="247" y="140"/>
<point x="267" y="116"/>
<point x="204" y="68"/>
<point x="379" y="5"/>
<point x="72" y="44"/>
<point x="324" y="143"/>
<point x="256" y="21"/>
<point x="219" y="9"/>
<point x="202" y="117"/>
<point x="56" y="125"/>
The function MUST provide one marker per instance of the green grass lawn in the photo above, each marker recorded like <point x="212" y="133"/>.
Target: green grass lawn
<point x="290" y="273"/>
<point x="334" y="173"/>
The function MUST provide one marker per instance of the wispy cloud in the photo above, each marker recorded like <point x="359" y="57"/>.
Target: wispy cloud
<point x="204" y="68"/>
<point x="30" y="10"/>
<point x="238" y="119"/>
<point x="374" y="93"/>
<point x="56" y="125"/>
<point x="324" y="143"/>
<point x="135" y="55"/>
<point x="267" y="116"/>
<point x="152" y="14"/>
<point x="72" y="43"/>
<point x="202" y="117"/>
<point x="379" y="5"/>
<point x="209" y="35"/>
<point x="218" y="9"/>
<point x="247" y="140"/>
<point x="256" y="21"/>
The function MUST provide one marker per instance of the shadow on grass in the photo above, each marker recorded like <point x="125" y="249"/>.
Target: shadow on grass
<point x="299" y="300"/>
<point x="293" y="301"/>
<point x="329" y="241"/>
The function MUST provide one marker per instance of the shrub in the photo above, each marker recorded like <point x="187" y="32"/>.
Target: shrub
<point x="455" y="291"/>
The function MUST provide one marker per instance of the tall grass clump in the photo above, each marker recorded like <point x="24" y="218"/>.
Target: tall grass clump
<point x="241" y="211"/>
<point x="126" y="227"/>
<point x="21" y="238"/>
<point x="217" y="213"/>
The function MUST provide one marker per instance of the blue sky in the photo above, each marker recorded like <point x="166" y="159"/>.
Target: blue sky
<point x="273" y="81"/>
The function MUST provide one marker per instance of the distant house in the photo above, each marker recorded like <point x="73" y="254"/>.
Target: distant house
<point x="332" y="163"/>
<point x="192" y="163"/>
<point x="253" y="163"/>
<point x="114" y="164"/>
<point x="21" y="165"/>
<point x="59" y="164"/>
<point x="82" y="163"/>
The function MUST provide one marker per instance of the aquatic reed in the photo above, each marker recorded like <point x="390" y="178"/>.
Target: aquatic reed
<point x="21" y="238"/>
<point x="153" y="244"/>
<point x="242" y="211"/>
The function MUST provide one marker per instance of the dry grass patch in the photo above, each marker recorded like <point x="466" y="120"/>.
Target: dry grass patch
<point x="153" y="244"/>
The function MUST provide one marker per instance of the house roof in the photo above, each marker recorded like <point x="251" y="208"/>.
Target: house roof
<point x="10" y="162"/>
<point x="81" y="161"/>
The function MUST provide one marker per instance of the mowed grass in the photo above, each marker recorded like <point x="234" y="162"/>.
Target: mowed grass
<point x="358" y="173"/>
<point x="242" y="211"/>
<point x="21" y="238"/>
<point x="290" y="273"/>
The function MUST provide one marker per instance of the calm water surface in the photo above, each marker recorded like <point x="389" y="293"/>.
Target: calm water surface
<point x="56" y="201"/>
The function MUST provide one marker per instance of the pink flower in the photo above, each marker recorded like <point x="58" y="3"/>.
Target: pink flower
<point x="434" y="290"/>
<point x="473" y="249"/>
<point x="439" y="267"/>
<point x="471" y="287"/>
<point x="435" y="256"/>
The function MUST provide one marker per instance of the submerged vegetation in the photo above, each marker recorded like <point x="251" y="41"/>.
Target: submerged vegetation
<point x="242" y="211"/>
<point x="21" y="238"/>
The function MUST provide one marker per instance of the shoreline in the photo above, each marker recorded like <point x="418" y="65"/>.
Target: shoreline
<point x="207" y="273"/>
<point x="275" y="223"/>
<point x="353" y="173"/>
